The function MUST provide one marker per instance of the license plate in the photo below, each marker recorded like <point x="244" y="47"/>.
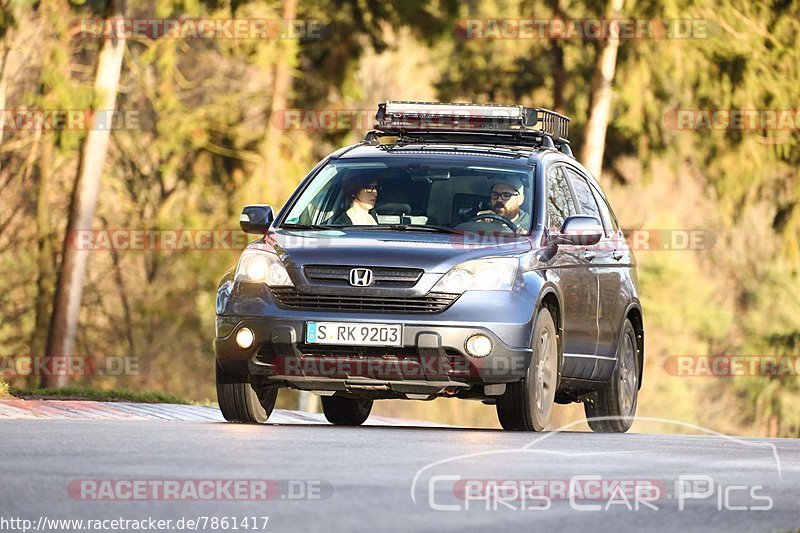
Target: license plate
<point x="354" y="334"/>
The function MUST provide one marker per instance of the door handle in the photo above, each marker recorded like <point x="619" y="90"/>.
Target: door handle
<point x="588" y="255"/>
<point x="617" y="255"/>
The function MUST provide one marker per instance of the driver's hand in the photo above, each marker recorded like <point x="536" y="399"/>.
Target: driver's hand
<point x="485" y="212"/>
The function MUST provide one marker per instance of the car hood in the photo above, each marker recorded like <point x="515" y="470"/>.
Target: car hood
<point x="433" y="252"/>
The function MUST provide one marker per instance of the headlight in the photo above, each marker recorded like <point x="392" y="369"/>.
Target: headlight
<point x="258" y="266"/>
<point x="492" y="274"/>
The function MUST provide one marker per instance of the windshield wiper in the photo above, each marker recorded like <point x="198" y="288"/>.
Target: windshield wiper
<point x="306" y="226"/>
<point x="424" y="227"/>
<point x="363" y="226"/>
<point x="401" y="227"/>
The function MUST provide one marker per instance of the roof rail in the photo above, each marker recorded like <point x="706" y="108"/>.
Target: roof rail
<point x="486" y="123"/>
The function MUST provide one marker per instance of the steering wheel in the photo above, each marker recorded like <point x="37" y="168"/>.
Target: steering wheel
<point x="495" y="217"/>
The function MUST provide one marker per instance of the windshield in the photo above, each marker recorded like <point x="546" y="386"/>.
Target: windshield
<point x="423" y="194"/>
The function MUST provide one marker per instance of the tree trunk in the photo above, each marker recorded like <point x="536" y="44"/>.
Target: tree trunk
<point x="45" y="281"/>
<point x="5" y="51"/>
<point x="557" y="61"/>
<point x="772" y="431"/>
<point x="594" y="138"/>
<point x="272" y="145"/>
<point x="69" y="289"/>
<point x="270" y="150"/>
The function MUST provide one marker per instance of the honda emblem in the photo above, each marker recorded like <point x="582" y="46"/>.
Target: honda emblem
<point x="360" y="277"/>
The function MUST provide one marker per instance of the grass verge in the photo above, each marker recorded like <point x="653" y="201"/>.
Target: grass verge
<point x="85" y="393"/>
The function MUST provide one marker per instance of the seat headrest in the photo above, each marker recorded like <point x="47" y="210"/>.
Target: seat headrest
<point x="393" y="209"/>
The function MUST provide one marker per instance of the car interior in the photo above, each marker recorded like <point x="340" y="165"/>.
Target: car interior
<point x="420" y="196"/>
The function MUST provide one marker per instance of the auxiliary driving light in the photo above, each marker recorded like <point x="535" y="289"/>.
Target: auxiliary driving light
<point x="479" y="345"/>
<point x="245" y="338"/>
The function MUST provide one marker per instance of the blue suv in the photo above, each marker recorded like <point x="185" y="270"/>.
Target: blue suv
<point x="458" y="251"/>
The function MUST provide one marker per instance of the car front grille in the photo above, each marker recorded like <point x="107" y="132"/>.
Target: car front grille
<point x="434" y="302"/>
<point x="386" y="277"/>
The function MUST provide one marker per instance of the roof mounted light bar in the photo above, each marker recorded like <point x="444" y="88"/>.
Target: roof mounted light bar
<point x="407" y="117"/>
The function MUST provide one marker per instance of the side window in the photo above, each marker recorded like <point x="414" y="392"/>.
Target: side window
<point x="559" y="199"/>
<point x="586" y="201"/>
<point x="609" y="221"/>
<point x="313" y="203"/>
<point x="318" y="208"/>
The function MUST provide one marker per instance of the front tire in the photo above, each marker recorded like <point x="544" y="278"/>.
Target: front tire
<point x="615" y="403"/>
<point x="527" y="404"/>
<point x="342" y="411"/>
<point x="244" y="402"/>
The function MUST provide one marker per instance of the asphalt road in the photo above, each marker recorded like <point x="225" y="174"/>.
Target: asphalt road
<point x="384" y="478"/>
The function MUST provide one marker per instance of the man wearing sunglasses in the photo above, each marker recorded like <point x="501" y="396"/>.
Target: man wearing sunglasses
<point x="506" y="198"/>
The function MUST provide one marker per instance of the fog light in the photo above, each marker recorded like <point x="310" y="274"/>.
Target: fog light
<point x="245" y="338"/>
<point x="479" y="345"/>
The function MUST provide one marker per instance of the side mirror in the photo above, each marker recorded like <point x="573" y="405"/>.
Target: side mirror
<point x="581" y="230"/>
<point x="256" y="218"/>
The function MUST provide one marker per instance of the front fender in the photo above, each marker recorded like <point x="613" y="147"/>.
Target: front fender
<point x="542" y="283"/>
<point x="224" y="290"/>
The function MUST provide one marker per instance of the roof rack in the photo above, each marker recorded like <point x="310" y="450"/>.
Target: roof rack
<point x="401" y="121"/>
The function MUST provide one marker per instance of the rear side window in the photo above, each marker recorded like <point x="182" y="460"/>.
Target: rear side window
<point x="583" y="194"/>
<point x="560" y="204"/>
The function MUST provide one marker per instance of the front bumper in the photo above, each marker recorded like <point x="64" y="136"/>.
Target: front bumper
<point x="432" y="359"/>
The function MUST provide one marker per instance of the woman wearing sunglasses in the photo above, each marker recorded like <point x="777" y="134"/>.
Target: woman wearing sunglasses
<point x="362" y="193"/>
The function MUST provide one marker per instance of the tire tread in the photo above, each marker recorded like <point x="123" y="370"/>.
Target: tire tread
<point x="604" y="402"/>
<point x="237" y="399"/>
